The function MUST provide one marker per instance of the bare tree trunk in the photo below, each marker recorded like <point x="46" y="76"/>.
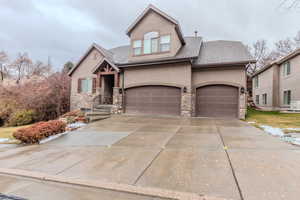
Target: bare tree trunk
<point x="1" y="71"/>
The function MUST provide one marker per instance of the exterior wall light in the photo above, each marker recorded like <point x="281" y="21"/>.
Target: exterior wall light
<point x="242" y="90"/>
<point x="184" y="89"/>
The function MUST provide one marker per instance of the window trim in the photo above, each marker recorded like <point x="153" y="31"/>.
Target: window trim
<point x="154" y="53"/>
<point x="257" y="99"/>
<point x="134" y="48"/>
<point x="256" y="82"/>
<point x="265" y="99"/>
<point x="160" y="43"/>
<point x="287" y="99"/>
<point x="82" y="89"/>
<point x="285" y="66"/>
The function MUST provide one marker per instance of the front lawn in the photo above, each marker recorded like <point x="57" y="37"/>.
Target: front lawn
<point x="6" y="132"/>
<point x="274" y="118"/>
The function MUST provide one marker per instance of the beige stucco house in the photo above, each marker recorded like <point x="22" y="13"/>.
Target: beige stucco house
<point x="276" y="86"/>
<point x="163" y="72"/>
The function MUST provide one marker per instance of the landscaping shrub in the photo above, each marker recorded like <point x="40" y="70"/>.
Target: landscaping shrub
<point x="22" y="117"/>
<point x="74" y="116"/>
<point x="6" y="109"/>
<point x="39" y="131"/>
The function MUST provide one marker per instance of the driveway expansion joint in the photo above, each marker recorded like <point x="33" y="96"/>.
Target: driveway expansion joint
<point x="132" y="189"/>
<point x="230" y="163"/>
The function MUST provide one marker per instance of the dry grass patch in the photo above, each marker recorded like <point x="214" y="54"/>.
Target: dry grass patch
<point x="7" y="132"/>
<point x="274" y="118"/>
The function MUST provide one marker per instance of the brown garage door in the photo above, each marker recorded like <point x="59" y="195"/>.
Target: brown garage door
<point x="161" y="100"/>
<point x="217" y="101"/>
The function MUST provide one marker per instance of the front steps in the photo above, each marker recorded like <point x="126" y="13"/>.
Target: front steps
<point x="99" y="112"/>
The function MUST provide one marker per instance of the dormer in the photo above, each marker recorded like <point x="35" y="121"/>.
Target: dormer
<point x="153" y="35"/>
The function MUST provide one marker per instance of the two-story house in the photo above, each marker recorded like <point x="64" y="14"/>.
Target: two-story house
<point x="276" y="85"/>
<point x="162" y="72"/>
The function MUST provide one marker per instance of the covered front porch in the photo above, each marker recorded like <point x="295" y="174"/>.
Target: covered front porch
<point x="108" y="87"/>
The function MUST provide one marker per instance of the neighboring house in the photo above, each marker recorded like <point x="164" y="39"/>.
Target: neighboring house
<point x="276" y="85"/>
<point x="162" y="72"/>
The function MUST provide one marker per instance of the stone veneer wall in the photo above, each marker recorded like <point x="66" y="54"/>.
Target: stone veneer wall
<point x="186" y="104"/>
<point x="242" y="105"/>
<point x="117" y="101"/>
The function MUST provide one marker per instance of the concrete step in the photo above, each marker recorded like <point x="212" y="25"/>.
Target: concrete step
<point x="104" y="106"/>
<point x="101" y="110"/>
<point x="97" y="118"/>
<point x="97" y="113"/>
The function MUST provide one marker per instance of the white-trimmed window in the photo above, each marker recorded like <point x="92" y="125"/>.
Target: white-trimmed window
<point x="286" y="68"/>
<point x="257" y="99"/>
<point x="151" y="42"/>
<point x="256" y="82"/>
<point x="165" y="43"/>
<point x="137" y="47"/>
<point x="287" y="95"/>
<point x="265" y="98"/>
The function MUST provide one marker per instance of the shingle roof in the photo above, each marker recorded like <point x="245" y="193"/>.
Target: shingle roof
<point x="223" y="52"/>
<point x="206" y="54"/>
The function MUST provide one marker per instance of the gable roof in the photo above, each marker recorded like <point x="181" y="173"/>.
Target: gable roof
<point x="161" y="13"/>
<point x="278" y="61"/>
<point x="95" y="69"/>
<point x="107" y="54"/>
<point x="221" y="52"/>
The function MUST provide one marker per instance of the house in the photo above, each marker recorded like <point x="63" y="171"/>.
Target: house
<point x="162" y="72"/>
<point x="276" y="85"/>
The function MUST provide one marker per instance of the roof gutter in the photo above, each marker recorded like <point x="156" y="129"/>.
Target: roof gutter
<point x="158" y="62"/>
<point x="225" y="64"/>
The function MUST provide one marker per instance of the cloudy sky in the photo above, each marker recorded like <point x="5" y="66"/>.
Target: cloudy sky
<point x="64" y="29"/>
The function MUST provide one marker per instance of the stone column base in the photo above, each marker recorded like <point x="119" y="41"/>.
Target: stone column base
<point x="117" y="101"/>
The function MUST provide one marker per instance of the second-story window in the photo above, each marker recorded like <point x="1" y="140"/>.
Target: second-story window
<point x="256" y="81"/>
<point x="137" y="47"/>
<point x="286" y="68"/>
<point x="150" y="42"/>
<point x="165" y="43"/>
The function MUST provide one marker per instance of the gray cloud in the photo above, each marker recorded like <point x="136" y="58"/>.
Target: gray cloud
<point x="64" y="29"/>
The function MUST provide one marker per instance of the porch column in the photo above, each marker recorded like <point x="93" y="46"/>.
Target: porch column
<point x="117" y="79"/>
<point x="117" y="100"/>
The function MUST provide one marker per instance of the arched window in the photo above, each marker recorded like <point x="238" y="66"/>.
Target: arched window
<point x="151" y="42"/>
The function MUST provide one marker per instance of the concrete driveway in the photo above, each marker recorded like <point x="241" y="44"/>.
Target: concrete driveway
<point x="221" y="158"/>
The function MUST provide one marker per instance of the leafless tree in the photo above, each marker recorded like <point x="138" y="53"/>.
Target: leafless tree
<point x="290" y="4"/>
<point x="284" y="47"/>
<point x="259" y="50"/>
<point x="20" y="64"/>
<point x="37" y="69"/>
<point x="297" y="40"/>
<point x="3" y="69"/>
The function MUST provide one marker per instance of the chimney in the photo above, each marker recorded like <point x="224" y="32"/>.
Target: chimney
<point x="196" y="33"/>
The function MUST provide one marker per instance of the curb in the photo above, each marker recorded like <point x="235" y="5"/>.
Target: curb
<point x="145" y="191"/>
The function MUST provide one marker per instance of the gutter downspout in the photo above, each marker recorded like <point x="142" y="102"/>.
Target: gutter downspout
<point x="123" y="91"/>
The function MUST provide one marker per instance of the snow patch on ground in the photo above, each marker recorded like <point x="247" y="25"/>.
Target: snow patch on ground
<point x="279" y="132"/>
<point x="72" y="126"/>
<point x="2" y="140"/>
<point x="76" y="125"/>
<point x="272" y="131"/>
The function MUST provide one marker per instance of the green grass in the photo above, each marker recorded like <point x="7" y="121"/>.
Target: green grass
<point x="274" y="118"/>
<point x="7" y="132"/>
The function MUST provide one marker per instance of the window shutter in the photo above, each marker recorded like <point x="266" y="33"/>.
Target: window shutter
<point x="79" y="85"/>
<point x="94" y="85"/>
